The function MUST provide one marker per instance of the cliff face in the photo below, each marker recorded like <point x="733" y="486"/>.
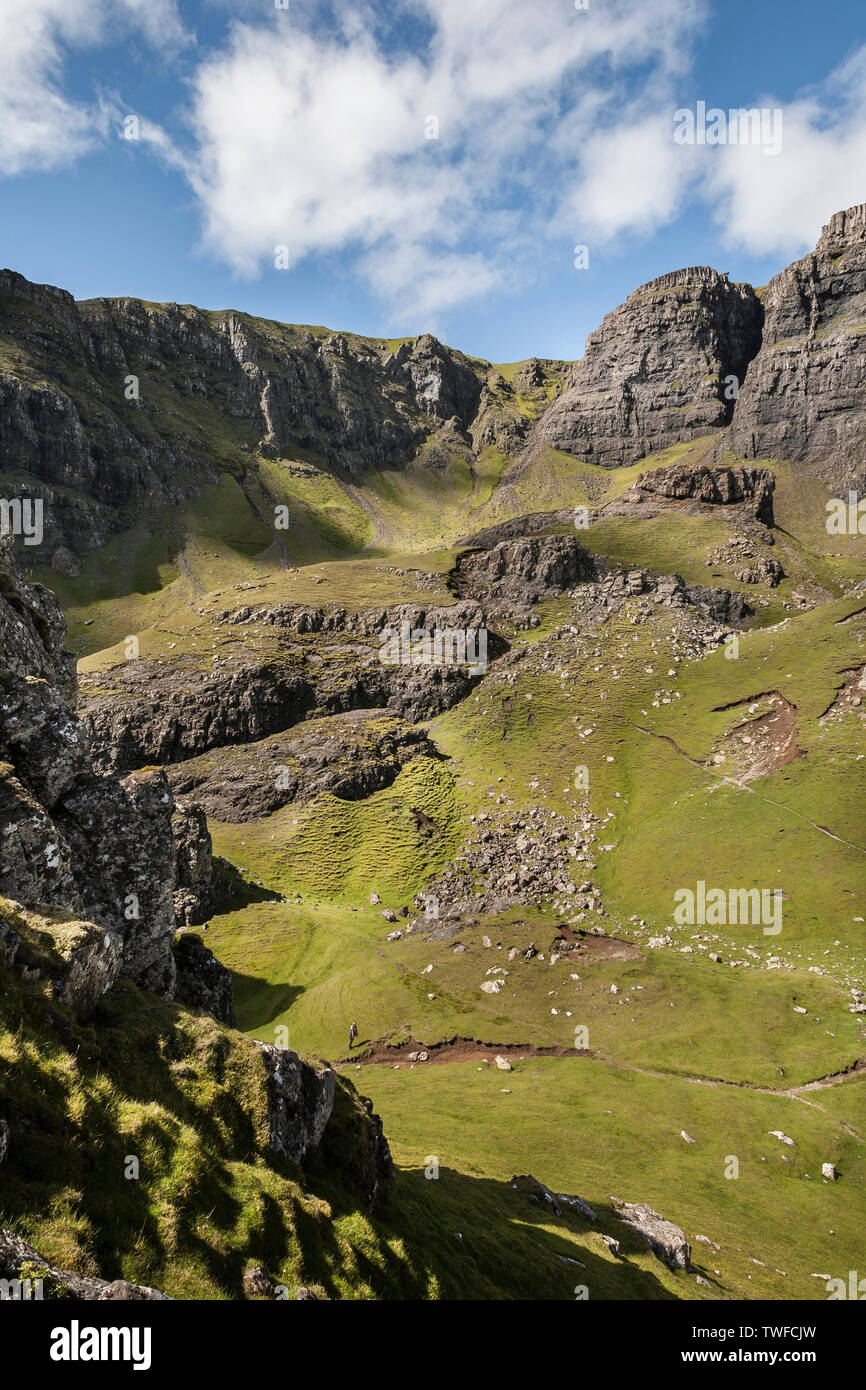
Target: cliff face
<point x="113" y="410"/>
<point x="112" y="850"/>
<point x="804" y="394"/>
<point x="655" y="372"/>
<point x="111" y="407"/>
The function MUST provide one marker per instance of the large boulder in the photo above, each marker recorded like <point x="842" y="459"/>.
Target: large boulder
<point x="666" y="1240"/>
<point x="82" y="960"/>
<point x="300" y="1101"/>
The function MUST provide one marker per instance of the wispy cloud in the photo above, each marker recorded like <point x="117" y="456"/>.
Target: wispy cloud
<point x="444" y="148"/>
<point x="438" y="168"/>
<point x="41" y="127"/>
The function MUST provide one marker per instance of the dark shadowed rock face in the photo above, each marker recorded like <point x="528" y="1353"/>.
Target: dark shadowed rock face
<point x="350" y="756"/>
<point x="100" y="456"/>
<point x="655" y="372"/>
<point x="300" y="1101"/>
<point x="102" y="848"/>
<point x="805" y="394"/>
<point x="354" y="1143"/>
<point x="202" y="982"/>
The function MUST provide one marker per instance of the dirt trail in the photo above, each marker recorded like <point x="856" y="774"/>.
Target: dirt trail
<point x="455" y="1050"/>
<point x="723" y="779"/>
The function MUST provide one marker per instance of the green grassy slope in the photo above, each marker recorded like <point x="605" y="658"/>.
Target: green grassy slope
<point x="718" y="1048"/>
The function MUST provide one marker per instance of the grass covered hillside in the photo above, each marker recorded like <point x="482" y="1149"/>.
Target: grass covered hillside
<point x="486" y="865"/>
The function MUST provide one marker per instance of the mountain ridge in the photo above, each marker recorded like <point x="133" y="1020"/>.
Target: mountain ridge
<point x="111" y="404"/>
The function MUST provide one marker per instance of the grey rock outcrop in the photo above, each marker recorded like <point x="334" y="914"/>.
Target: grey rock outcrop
<point x="300" y="1101"/>
<point x="194" y="891"/>
<point x="805" y="394"/>
<point x="665" y="1239"/>
<point x="349" y="755"/>
<point x="656" y="372"/>
<point x="746" y="489"/>
<point x="19" y="1262"/>
<point x="167" y="711"/>
<point x="524" y="569"/>
<point x="102" y="848"/>
<point x="100" y="458"/>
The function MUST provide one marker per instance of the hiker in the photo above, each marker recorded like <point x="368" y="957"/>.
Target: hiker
<point x="353" y="1033"/>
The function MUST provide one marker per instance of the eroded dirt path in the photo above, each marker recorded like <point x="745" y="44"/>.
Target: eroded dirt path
<point x="455" y="1050"/>
<point x="726" y="780"/>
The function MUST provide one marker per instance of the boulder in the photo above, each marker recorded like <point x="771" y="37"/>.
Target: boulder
<point x="19" y="1261"/>
<point x="257" y="1283"/>
<point x="666" y="1240"/>
<point x="536" y="1191"/>
<point x="300" y="1101"/>
<point x="82" y="960"/>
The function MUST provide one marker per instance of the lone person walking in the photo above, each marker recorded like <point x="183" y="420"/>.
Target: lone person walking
<point x="353" y="1033"/>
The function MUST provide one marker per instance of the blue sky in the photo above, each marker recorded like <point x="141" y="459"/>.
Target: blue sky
<point x="308" y="127"/>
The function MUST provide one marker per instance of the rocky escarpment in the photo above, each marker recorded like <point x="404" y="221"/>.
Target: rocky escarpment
<point x="746" y="493"/>
<point x="269" y="679"/>
<point x="111" y="409"/>
<point x="656" y="372"/>
<point x="515" y="574"/>
<point x="349" y="756"/>
<point x="100" y="848"/>
<point x="523" y="570"/>
<point x="804" y="397"/>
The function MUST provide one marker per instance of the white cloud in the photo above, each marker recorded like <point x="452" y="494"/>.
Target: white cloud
<point x="555" y="127"/>
<point x="41" y="127"/>
<point x="778" y="204"/>
<point x="634" y="178"/>
<point x="315" y="137"/>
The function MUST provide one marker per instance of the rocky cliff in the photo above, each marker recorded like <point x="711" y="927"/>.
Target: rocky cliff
<point x="803" y="397"/>
<point x="659" y="369"/>
<point x="111" y="850"/>
<point x="774" y="374"/>
<point x="113" y="407"/>
<point x="115" y="410"/>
